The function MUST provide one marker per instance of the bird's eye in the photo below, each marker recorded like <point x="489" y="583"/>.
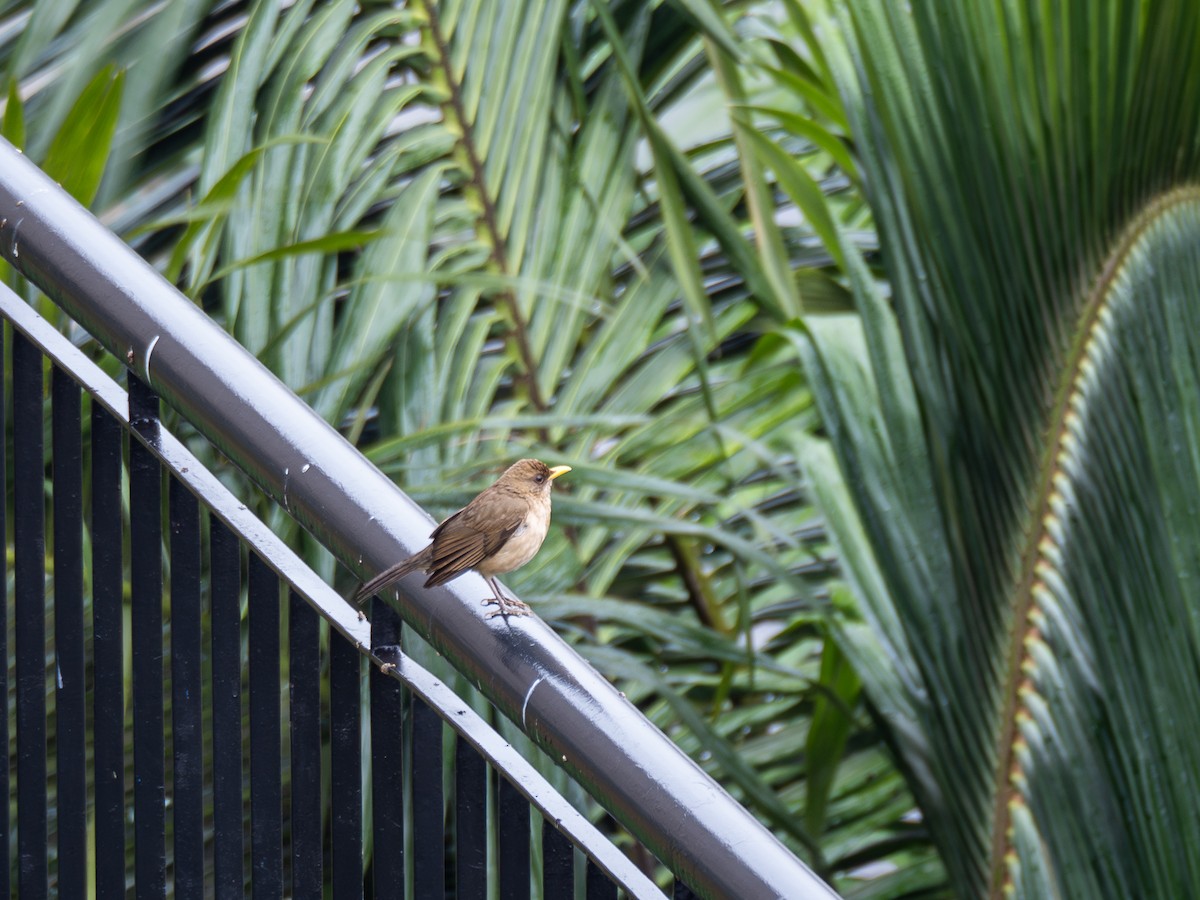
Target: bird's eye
<point x="539" y="477"/>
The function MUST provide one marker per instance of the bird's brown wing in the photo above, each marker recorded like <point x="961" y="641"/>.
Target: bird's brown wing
<point x="473" y="534"/>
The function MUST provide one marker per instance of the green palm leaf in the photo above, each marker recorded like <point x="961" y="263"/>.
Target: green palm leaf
<point x="1013" y="480"/>
<point x="470" y="231"/>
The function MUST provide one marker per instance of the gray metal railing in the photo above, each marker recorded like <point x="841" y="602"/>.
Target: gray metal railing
<point x="521" y="665"/>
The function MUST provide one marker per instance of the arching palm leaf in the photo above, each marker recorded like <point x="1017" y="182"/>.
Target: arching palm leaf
<point x="1012" y="480"/>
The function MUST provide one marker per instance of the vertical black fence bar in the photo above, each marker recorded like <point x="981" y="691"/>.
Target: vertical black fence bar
<point x="186" y="699"/>
<point x="266" y="804"/>
<point x="29" y="538"/>
<point x="558" y="864"/>
<point x="71" y="724"/>
<point x="146" y="635"/>
<point x="5" y="837"/>
<point x="512" y="826"/>
<point x="304" y="666"/>
<point x="512" y="811"/>
<point x="429" y="829"/>
<point x="108" y="699"/>
<point x="470" y="815"/>
<point x="599" y="885"/>
<point x="345" y="766"/>
<point x="225" y="576"/>
<point x="387" y="763"/>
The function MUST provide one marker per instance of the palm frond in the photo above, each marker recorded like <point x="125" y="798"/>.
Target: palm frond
<point x="467" y="232"/>
<point x="1008" y="436"/>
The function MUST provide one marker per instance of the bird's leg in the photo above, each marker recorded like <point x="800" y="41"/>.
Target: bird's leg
<point x="508" y="606"/>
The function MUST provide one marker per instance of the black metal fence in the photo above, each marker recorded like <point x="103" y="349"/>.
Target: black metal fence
<point x="192" y="733"/>
<point x="166" y="786"/>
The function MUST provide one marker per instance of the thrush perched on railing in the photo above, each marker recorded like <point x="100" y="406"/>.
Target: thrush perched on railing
<point x="497" y="532"/>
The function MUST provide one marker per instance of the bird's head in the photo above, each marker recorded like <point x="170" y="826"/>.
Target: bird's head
<point x="532" y="475"/>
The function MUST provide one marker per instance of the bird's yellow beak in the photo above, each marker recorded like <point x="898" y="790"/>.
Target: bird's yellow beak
<point x="559" y="470"/>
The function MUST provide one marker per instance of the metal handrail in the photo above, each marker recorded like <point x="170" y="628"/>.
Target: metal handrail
<point x="648" y="784"/>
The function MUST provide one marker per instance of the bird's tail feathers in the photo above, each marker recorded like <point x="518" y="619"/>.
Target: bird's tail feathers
<point x="390" y="576"/>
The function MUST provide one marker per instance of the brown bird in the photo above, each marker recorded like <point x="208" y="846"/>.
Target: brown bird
<point x="497" y="532"/>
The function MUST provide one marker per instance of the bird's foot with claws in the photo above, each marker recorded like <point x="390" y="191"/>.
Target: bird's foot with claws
<point x="507" y="607"/>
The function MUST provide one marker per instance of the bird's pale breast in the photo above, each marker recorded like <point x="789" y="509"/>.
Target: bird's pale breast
<point x="522" y="546"/>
